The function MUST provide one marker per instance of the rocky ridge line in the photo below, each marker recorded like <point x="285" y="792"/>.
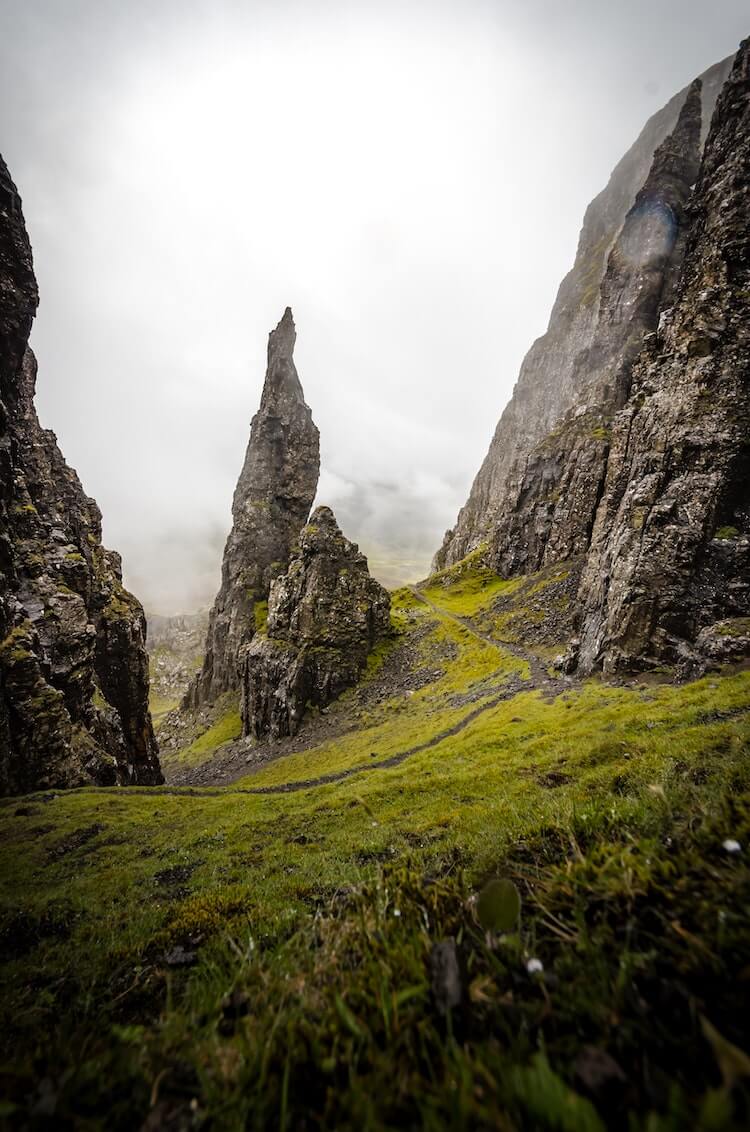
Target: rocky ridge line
<point x="547" y="512"/>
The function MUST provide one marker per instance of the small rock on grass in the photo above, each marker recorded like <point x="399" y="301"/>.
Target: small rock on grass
<point x="446" y="976"/>
<point x="179" y="956"/>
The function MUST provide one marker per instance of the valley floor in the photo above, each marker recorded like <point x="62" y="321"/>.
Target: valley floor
<point x="302" y="947"/>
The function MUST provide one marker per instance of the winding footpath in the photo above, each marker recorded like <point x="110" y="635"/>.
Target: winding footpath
<point x="549" y="686"/>
<point x="540" y="680"/>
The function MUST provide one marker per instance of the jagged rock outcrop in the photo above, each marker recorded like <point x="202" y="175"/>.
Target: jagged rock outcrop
<point x="645" y="476"/>
<point x="549" y="384"/>
<point x="325" y="614"/>
<point x="271" y="504"/>
<point x="668" y="573"/>
<point x="73" y="666"/>
<point x="548" y="508"/>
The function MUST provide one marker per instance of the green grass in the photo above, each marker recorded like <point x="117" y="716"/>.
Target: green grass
<point x="469" y="586"/>
<point x="227" y="727"/>
<point x="260" y="612"/>
<point x="159" y="706"/>
<point x="458" y="662"/>
<point x="312" y="917"/>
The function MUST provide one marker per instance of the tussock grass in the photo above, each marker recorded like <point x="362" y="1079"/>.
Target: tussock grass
<point x="309" y="920"/>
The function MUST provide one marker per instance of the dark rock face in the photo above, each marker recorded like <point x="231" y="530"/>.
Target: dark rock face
<point x="547" y="513"/>
<point x="73" y="665"/>
<point x="271" y="504"/>
<point x="670" y="553"/>
<point x="549" y="385"/>
<point x="324" y="616"/>
<point x="645" y="474"/>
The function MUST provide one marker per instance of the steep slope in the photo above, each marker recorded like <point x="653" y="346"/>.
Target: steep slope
<point x="670" y="553"/>
<point x="325" y="615"/>
<point x="73" y="666"/>
<point x="546" y="514"/>
<point x="557" y="367"/>
<point x="271" y="504"/>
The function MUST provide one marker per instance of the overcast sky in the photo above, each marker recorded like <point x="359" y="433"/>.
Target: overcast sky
<point x="409" y="175"/>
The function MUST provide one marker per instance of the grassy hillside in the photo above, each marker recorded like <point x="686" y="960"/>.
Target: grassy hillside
<point x="277" y="953"/>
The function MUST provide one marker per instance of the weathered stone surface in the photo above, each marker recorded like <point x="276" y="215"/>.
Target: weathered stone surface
<point x="645" y="474"/>
<point x="670" y="552"/>
<point x="546" y="515"/>
<point x="73" y="666"/>
<point x="324" y="616"/>
<point x="549" y="385"/>
<point x="271" y="504"/>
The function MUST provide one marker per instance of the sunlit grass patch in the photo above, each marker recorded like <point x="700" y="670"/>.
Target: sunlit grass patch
<point x="226" y="728"/>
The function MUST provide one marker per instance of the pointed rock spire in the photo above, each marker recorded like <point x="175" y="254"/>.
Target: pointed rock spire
<point x="282" y="379"/>
<point x="272" y="501"/>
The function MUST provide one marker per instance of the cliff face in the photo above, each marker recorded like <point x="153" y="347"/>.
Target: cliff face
<point x="645" y="476"/>
<point x="547" y="510"/>
<point x="559" y="365"/>
<point x="73" y="665"/>
<point x="325" y="614"/>
<point x="670" y="555"/>
<point x="271" y="504"/>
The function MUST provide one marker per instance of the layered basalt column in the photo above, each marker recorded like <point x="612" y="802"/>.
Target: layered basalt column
<point x="271" y="505"/>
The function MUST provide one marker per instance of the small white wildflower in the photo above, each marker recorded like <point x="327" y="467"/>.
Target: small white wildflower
<point x="396" y="911"/>
<point x="731" y="846"/>
<point x="374" y="825"/>
<point x="534" y="966"/>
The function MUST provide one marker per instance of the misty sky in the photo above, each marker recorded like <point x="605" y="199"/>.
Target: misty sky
<point x="409" y="176"/>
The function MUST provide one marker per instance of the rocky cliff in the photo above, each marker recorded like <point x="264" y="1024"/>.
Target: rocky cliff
<point x="643" y="475"/>
<point x="271" y="504"/>
<point x="73" y="666"/>
<point x="325" y="614"/>
<point x="669" y="564"/>
<point x="560" y="364"/>
<point x="550" y="498"/>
